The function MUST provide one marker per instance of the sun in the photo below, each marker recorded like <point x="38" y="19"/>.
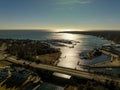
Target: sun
<point x="66" y="29"/>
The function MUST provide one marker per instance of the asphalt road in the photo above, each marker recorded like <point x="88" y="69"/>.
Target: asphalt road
<point x="64" y="70"/>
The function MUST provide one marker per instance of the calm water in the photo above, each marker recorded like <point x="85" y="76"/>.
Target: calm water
<point x="87" y="42"/>
<point x="25" y="34"/>
<point x="71" y="55"/>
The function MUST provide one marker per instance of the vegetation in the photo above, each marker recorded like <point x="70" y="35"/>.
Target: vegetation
<point x="4" y="63"/>
<point x="94" y="53"/>
<point x="84" y="84"/>
<point x="31" y="50"/>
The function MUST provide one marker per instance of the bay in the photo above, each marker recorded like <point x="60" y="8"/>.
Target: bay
<point x="71" y="55"/>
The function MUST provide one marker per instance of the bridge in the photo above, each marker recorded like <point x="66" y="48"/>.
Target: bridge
<point x="64" y="70"/>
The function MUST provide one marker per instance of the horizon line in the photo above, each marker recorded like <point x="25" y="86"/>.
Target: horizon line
<point x="54" y="30"/>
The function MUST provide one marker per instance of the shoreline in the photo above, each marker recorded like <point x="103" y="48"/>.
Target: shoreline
<point x="31" y="50"/>
<point x="108" y="35"/>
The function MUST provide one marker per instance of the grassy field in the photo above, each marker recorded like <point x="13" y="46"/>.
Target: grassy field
<point x="4" y="88"/>
<point x="4" y="63"/>
<point x="49" y="58"/>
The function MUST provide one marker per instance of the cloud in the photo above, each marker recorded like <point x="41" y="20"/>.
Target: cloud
<point x="71" y="2"/>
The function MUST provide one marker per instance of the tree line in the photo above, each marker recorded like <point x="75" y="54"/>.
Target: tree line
<point x="27" y="49"/>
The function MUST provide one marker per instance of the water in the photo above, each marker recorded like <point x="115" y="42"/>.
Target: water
<point x="25" y="34"/>
<point x="70" y="56"/>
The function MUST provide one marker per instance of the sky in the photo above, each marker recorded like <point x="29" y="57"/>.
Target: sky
<point x="60" y="14"/>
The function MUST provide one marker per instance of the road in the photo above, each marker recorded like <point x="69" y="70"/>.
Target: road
<point x="64" y="70"/>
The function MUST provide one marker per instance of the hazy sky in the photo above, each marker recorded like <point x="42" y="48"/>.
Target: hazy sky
<point x="60" y="14"/>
